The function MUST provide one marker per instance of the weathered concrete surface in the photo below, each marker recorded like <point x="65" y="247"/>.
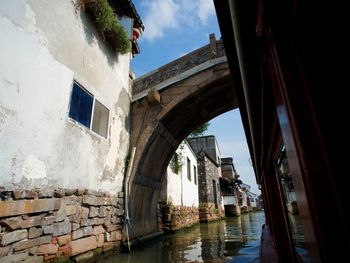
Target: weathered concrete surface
<point x="207" y="144"/>
<point x="40" y="145"/>
<point x="157" y="130"/>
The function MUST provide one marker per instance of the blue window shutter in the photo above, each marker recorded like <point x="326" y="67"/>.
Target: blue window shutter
<point x="81" y="105"/>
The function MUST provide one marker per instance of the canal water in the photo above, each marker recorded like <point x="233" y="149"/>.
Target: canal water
<point x="233" y="239"/>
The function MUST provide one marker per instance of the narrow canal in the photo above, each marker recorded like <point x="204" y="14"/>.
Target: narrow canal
<point x="233" y="239"/>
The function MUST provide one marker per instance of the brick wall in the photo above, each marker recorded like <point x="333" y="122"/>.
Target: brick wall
<point x="74" y="224"/>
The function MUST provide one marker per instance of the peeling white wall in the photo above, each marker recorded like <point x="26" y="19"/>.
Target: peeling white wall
<point x="181" y="191"/>
<point x="44" y="46"/>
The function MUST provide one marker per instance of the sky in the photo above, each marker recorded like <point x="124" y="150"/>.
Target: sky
<point x="174" y="28"/>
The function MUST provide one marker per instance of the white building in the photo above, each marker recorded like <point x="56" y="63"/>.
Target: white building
<point x="180" y="186"/>
<point x="228" y="187"/>
<point x="64" y="126"/>
<point x="64" y="99"/>
<point x="243" y="193"/>
<point x="252" y="199"/>
<point x="247" y="198"/>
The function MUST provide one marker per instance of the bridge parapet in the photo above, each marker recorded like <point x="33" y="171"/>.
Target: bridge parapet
<point x="212" y="51"/>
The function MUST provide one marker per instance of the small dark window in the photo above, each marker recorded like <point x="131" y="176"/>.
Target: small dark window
<point x="188" y="169"/>
<point x="195" y="174"/>
<point x="81" y="105"/>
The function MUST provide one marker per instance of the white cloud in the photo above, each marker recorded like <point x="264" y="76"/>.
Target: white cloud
<point x="205" y="10"/>
<point x="163" y="15"/>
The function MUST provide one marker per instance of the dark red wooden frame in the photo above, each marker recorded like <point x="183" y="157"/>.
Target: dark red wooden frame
<point x="289" y="91"/>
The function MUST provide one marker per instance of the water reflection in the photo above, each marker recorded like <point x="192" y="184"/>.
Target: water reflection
<point x="234" y="240"/>
<point x="297" y="230"/>
<point x="298" y="236"/>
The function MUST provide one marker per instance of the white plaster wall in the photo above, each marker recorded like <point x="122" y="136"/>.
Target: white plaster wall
<point x="44" y="46"/>
<point x="229" y="200"/>
<point x="244" y="198"/>
<point x="174" y="188"/>
<point x="218" y="153"/>
<point x="222" y="203"/>
<point x="180" y="190"/>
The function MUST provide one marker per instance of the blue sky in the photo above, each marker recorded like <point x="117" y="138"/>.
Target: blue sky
<point x="172" y="29"/>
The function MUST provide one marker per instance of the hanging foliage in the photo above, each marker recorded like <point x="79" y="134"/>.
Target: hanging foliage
<point x="108" y="24"/>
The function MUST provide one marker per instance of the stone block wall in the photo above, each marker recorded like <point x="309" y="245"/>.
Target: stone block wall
<point x="208" y="213"/>
<point x="38" y="226"/>
<point x="203" y="187"/>
<point x="172" y="218"/>
<point x="207" y="173"/>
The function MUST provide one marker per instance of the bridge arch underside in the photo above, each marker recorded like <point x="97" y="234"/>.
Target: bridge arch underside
<point x="184" y="107"/>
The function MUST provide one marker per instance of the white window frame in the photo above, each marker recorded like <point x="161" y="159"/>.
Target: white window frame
<point x="92" y="110"/>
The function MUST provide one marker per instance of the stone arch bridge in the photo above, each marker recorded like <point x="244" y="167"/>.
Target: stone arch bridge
<point x="168" y="104"/>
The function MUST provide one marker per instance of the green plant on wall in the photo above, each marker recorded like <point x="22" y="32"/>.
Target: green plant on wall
<point x="176" y="161"/>
<point x="122" y="39"/>
<point x="105" y="18"/>
<point x="108" y="24"/>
